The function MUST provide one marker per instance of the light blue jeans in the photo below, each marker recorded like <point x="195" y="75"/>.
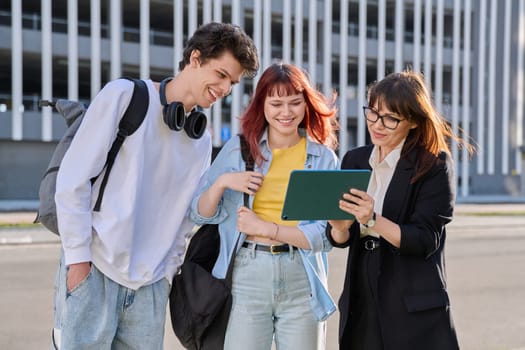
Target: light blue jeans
<point x="271" y="302"/>
<point x="101" y="314"/>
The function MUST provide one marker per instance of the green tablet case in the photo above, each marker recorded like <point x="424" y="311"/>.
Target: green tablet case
<point x="315" y="194"/>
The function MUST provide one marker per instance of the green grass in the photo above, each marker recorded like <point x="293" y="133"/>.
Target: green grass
<point x="26" y="225"/>
<point x="18" y="225"/>
<point x="495" y="213"/>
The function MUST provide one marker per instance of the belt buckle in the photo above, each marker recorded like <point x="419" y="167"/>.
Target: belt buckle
<point x="370" y="244"/>
<point x="273" y="249"/>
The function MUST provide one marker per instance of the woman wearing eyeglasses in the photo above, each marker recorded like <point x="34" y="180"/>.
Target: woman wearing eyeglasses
<point x="395" y="293"/>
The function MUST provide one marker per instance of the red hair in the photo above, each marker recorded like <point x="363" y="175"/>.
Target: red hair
<point x="285" y="80"/>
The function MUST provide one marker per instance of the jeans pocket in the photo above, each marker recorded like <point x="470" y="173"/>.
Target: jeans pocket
<point x="242" y="258"/>
<point x="80" y="285"/>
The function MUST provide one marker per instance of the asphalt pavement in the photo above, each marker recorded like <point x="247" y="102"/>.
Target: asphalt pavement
<point x="485" y="258"/>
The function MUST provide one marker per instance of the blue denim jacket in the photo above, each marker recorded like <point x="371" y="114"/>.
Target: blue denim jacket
<point x="315" y="261"/>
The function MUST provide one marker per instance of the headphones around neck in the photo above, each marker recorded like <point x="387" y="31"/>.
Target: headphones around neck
<point x="175" y="117"/>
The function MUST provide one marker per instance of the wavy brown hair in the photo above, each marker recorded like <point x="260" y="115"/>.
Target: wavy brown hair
<point x="284" y="80"/>
<point x="406" y="94"/>
<point x="214" y="39"/>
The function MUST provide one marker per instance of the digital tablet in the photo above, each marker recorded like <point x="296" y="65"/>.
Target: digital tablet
<point x="315" y="194"/>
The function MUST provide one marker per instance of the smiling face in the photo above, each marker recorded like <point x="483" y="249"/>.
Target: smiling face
<point x="213" y="79"/>
<point x="284" y="114"/>
<point x="387" y="139"/>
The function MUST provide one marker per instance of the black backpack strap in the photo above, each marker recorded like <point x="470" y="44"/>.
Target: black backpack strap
<point x="248" y="160"/>
<point x="245" y="153"/>
<point x="130" y="122"/>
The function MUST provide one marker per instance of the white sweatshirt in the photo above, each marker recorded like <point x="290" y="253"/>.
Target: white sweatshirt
<point x="139" y="235"/>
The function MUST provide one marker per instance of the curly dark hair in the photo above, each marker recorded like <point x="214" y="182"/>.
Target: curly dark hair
<point x="213" y="39"/>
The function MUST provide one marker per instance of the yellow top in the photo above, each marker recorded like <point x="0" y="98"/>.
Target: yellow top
<point x="269" y="199"/>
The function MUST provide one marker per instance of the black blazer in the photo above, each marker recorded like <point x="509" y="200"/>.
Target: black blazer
<point x="413" y="302"/>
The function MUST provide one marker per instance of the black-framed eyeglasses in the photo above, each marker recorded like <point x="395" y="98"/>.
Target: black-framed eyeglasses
<point x="388" y="121"/>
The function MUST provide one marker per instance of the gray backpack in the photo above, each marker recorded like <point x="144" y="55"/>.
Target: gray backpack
<point x="73" y="112"/>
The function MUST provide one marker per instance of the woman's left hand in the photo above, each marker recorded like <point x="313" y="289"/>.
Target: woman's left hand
<point x="358" y="203"/>
<point x="249" y="223"/>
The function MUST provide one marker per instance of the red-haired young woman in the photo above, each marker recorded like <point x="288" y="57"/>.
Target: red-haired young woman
<point x="279" y="276"/>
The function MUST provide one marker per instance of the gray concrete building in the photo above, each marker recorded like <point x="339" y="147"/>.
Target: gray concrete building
<point x="472" y="54"/>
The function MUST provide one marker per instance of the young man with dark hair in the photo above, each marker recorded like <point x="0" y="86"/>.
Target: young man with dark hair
<point x="117" y="264"/>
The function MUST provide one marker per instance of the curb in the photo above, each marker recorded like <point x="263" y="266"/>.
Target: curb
<point x="511" y="209"/>
<point x="17" y="228"/>
<point x="32" y="235"/>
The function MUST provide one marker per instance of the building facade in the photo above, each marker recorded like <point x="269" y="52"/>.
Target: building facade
<point x="471" y="53"/>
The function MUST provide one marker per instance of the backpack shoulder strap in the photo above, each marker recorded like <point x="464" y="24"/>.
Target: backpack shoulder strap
<point x="248" y="160"/>
<point x="245" y="153"/>
<point x="137" y="108"/>
<point x="130" y="122"/>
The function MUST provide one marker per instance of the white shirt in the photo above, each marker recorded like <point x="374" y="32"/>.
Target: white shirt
<point x="380" y="178"/>
<point x="139" y="235"/>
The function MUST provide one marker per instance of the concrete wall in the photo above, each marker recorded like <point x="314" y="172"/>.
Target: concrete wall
<point x="23" y="164"/>
<point x="31" y="126"/>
